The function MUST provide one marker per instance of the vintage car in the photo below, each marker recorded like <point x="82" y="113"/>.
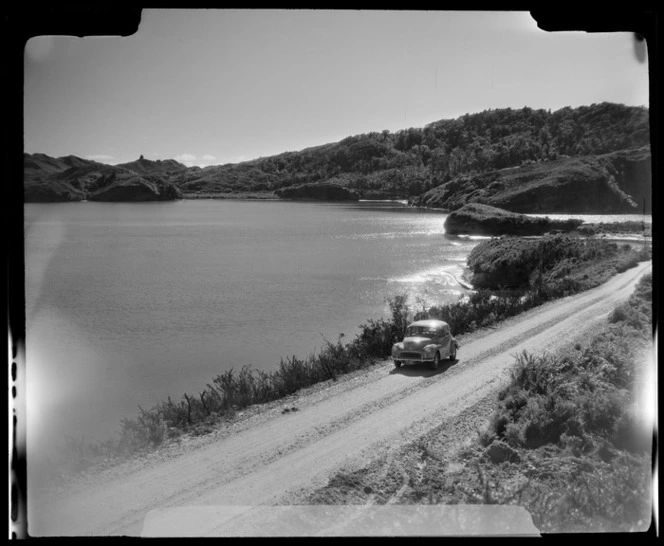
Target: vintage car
<point x="425" y="341"/>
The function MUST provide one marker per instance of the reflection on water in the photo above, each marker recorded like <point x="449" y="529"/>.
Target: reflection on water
<point x="128" y="304"/>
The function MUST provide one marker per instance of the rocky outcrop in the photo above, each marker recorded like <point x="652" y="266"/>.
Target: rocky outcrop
<point x="478" y="219"/>
<point x="320" y="192"/>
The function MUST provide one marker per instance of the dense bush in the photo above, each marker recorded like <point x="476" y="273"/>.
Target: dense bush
<point x="562" y="262"/>
<point x="481" y="309"/>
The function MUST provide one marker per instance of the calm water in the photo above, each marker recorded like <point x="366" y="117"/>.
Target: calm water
<point x="127" y="304"/>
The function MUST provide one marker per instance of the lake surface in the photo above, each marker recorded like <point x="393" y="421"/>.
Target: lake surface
<point x="127" y="304"/>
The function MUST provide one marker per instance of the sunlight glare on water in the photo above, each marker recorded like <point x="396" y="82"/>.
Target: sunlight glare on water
<point x="128" y="304"/>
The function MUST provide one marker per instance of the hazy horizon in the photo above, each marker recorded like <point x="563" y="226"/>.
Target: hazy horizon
<point x="209" y="87"/>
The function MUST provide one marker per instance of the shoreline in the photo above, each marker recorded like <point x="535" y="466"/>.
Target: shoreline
<point x="251" y="196"/>
<point x="203" y="416"/>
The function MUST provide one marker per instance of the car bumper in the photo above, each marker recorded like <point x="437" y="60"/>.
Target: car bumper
<point x="413" y="357"/>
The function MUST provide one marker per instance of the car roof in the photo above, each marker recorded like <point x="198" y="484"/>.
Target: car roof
<point x="430" y="323"/>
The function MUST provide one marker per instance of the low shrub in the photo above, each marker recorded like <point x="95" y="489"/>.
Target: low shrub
<point x="584" y="393"/>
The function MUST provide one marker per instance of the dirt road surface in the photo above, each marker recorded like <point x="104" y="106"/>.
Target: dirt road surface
<point x="274" y="453"/>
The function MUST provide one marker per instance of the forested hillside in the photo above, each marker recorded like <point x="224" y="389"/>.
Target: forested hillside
<point x="408" y="163"/>
<point x="596" y="158"/>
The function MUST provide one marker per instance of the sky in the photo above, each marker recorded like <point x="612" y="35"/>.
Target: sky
<point x="209" y="87"/>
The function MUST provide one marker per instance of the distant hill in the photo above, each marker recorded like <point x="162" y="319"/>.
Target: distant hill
<point x="588" y="159"/>
<point x="47" y="179"/>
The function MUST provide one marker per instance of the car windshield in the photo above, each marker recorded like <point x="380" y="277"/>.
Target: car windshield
<point x="422" y="331"/>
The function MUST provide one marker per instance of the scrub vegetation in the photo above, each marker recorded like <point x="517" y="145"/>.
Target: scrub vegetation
<point x="558" y="264"/>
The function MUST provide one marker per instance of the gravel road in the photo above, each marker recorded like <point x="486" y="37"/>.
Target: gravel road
<point x="273" y="454"/>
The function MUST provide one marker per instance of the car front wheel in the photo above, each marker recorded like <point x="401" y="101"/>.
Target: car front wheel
<point x="397" y="363"/>
<point x="453" y="352"/>
<point x="436" y="361"/>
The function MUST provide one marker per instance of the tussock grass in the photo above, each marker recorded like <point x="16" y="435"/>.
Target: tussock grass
<point x="581" y="393"/>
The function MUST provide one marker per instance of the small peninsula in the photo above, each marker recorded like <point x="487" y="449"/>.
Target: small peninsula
<point x="478" y="219"/>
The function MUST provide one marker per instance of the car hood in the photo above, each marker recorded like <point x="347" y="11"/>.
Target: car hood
<point x="416" y="343"/>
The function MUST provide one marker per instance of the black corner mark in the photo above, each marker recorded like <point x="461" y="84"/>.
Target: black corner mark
<point x="75" y="20"/>
<point x="626" y="19"/>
